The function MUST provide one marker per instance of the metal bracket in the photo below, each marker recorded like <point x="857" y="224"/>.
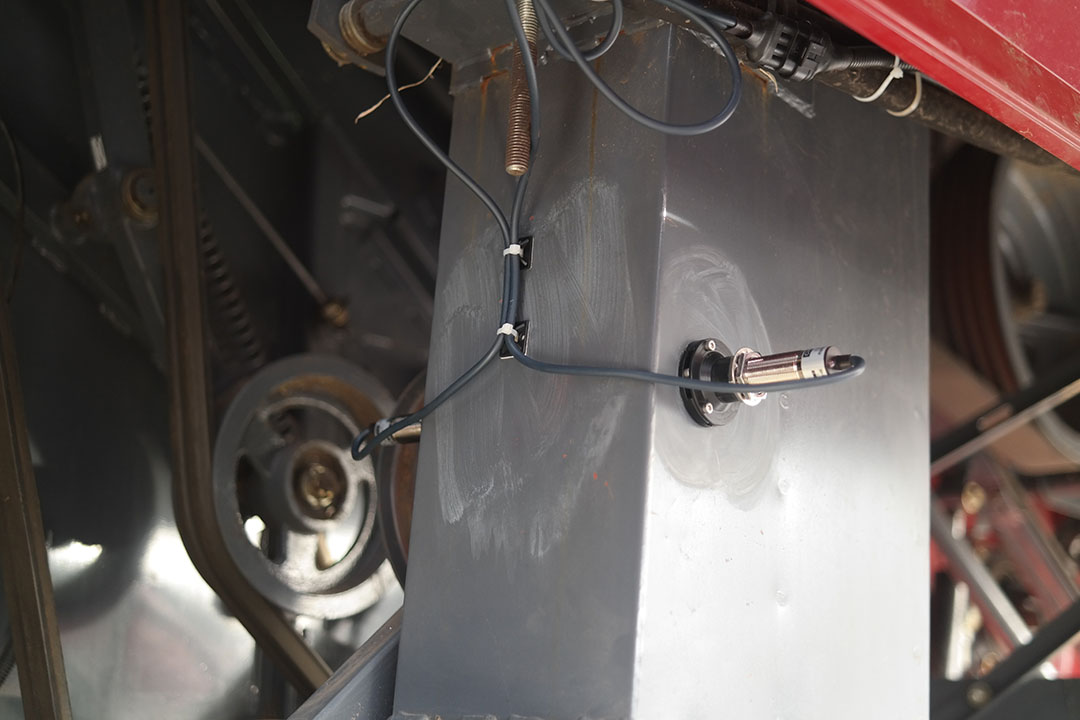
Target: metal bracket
<point x="522" y="341"/>
<point x="526" y="244"/>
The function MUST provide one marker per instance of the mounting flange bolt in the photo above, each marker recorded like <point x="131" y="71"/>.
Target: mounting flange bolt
<point x="709" y="360"/>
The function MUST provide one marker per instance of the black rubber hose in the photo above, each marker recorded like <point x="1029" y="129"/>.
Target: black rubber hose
<point x="864" y="57"/>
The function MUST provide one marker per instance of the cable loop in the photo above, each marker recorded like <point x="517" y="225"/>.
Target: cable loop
<point x="914" y="103"/>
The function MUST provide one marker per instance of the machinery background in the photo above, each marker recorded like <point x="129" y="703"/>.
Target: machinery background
<point x="281" y="164"/>
<point x="312" y="283"/>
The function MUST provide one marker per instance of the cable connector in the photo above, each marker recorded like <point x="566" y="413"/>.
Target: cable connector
<point x="793" y="49"/>
<point x="709" y="360"/>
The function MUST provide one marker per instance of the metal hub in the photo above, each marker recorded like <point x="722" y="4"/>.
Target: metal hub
<point x="297" y="514"/>
<point x="319" y="483"/>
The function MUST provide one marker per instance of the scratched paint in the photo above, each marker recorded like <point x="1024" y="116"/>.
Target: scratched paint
<point x="542" y="463"/>
<point x="709" y="297"/>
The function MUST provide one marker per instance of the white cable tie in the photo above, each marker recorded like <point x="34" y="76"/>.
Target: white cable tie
<point x="514" y="249"/>
<point x="508" y="329"/>
<point x="914" y="103"/>
<point x="895" y="74"/>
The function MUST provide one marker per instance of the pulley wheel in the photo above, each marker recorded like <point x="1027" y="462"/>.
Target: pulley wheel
<point x="1006" y="285"/>
<point x="296" y="512"/>
<point x="1036" y="276"/>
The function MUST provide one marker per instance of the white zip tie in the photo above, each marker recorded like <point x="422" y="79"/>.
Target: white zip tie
<point x="514" y="249"/>
<point x="895" y="74"/>
<point x="508" y="329"/>
<point x="914" y="103"/>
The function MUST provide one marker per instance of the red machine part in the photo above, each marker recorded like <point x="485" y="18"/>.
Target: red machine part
<point x="1018" y="61"/>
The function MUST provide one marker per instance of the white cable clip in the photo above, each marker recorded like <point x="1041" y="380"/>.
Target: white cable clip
<point x="508" y="329"/>
<point x="914" y="103"/>
<point x="895" y="74"/>
<point x="514" y="249"/>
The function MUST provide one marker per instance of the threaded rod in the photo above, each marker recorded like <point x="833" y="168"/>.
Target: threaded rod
<point x="518" y="142"/>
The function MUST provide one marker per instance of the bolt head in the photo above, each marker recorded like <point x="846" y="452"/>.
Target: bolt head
<point x="709" y="408"/>
<point x="320" y="490"/>
<point x="710" y="346"/>
<point x="978" y="694"/>
<point x="336" y="313"/>
<point x="972" y="497"/>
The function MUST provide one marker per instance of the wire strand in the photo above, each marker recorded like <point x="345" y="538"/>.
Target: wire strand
<point x="410" y="86"/>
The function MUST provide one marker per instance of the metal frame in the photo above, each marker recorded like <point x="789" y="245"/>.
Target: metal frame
<point x="1013" y="65"/>
<point x="548" y="508"/>
<point x="362" y="688"/>
<point x="1028" y="650"/>
<point x="1020" y="408"/>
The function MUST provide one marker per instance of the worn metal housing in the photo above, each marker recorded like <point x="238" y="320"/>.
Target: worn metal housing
<point x="580" y="548"/>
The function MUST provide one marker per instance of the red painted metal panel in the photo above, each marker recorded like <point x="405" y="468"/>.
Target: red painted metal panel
<point x="1017" y="60"/>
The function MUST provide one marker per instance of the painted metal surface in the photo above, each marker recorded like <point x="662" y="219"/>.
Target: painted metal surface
<point x="581" y="548"/>
<point x="363" y="687"/>
<point x="1016" y="61"/>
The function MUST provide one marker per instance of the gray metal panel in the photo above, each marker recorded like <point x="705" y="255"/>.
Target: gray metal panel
<point x="786" y="552"/>
<point x="580" y="547"/>
<point x="363" y="687"/>
<point x="532" y="517"/>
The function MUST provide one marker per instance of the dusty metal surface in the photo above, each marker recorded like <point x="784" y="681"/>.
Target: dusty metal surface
<point x="580" y="548"/>
<point x="362" y="688"/>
